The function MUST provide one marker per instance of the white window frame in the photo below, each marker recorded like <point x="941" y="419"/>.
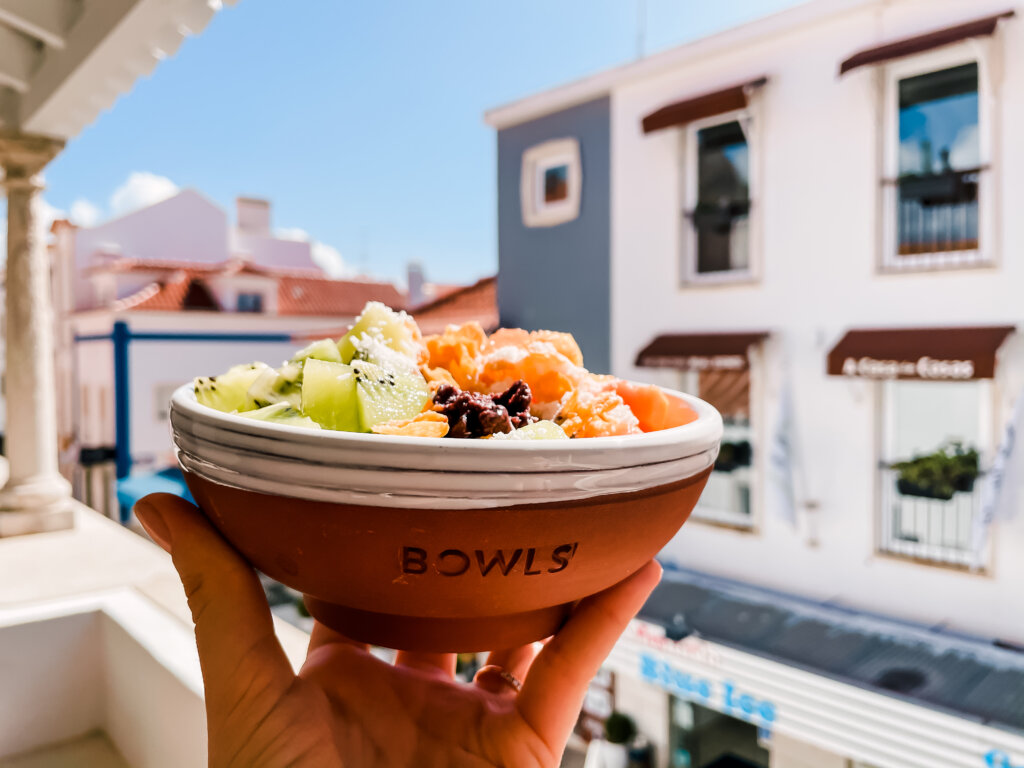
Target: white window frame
<point x="922" y="551"/>
<point x="975" y="50"/>
<point x="728" y="518"/>
<point x="538" y="159"/>
<point x="747" y="118"/>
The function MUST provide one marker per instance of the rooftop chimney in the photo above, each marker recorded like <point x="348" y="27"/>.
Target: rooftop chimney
<point x="414" y="277"/>
<point x="253" y="215"/>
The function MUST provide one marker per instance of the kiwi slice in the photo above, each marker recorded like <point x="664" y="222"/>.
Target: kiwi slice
<point x="273" y="387"/>
<point x="228" y="391"/>
<point x="395" y="329"/>
<point x="384" y="394"/>
<point x="329" y="395"/>
<point x="281" y="413"/>
<point x="325" y="349"/>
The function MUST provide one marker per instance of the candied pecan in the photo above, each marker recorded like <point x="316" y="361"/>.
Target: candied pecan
<point x="472" y="414"/>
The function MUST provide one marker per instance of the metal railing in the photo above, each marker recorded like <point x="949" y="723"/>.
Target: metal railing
<point x="938" y="213"/>
<point x="937" y="530"/>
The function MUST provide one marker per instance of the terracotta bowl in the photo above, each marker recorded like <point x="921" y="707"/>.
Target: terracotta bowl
<point x="442" y="545"/>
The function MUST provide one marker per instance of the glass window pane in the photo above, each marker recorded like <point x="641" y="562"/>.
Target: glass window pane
<point x="926" y="414"/>
<point x="723" y="198"/>
<point x="939" y="159"/>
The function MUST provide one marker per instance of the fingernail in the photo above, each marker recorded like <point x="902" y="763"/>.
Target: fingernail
<point x="154" y="524"/>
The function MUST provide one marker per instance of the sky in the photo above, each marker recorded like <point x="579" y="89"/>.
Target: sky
<point x="361" y="120"/>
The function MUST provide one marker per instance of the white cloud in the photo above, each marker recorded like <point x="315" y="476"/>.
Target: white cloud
<point x="139" y="190"/>
<point x="84" y="213"/>
<point x="330" y="261"/>
<point x="325" y="256"/>
<point x="46" y="214"/>
<point x="965" y="152"/>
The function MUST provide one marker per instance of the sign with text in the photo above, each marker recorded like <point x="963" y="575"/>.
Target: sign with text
<point x="934" y="354"/>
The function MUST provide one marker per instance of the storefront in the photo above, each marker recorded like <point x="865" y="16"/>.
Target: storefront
<point x="719" y="674"/>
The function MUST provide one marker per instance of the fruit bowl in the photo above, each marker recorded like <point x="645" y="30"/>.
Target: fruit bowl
<point x="440" y="544"/>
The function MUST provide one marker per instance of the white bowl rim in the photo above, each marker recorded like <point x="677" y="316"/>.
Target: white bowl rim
<point x="702" y="433"/>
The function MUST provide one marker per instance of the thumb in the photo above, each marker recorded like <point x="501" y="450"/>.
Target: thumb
<point x="238" y="651"/>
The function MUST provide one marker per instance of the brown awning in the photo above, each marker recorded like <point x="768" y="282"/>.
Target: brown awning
<point x="919" y="353"/>
<point x="700" y="351"/>
<point x="926" y="42"/>
<point x="706" y="105"/>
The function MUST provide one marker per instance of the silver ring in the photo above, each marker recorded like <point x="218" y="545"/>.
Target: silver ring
<point x="511" y="679"/>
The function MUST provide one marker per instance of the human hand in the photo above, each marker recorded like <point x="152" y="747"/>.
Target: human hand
<point x="348" y="708"/>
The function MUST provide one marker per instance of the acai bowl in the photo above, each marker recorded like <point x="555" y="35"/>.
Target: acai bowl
<point x="435" y="543"/>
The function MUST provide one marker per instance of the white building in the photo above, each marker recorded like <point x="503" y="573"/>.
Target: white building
<point x="809" y="220"/>
<point x="154" y="298"/>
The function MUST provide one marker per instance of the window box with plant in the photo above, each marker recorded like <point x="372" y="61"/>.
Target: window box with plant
<point x="938" y="475"/>
<point x="733" y="455"/>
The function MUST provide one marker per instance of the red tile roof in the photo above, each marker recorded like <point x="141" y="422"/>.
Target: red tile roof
<point x="319" y="296"/>
<point x="471" y="302"/>
<point x="299" y="292"/>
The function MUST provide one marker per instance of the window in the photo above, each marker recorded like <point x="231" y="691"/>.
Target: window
<point x="162" y="400"/>
<point x="250" y="302"/>
<point x="727" y="496"/>
<point x="934" y="435"/>
<point x="938" y="196"/>
<point x="550" y="183"/>
<point x="718" y="200"/>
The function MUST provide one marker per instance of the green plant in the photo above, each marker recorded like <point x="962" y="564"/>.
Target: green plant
<point x="940" y="474"/>
<point x="619" y="728"/>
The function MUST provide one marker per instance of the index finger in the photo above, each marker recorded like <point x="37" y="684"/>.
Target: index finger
<point x="557" y="682"/>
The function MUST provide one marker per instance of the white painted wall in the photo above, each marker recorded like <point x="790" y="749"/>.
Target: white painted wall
<point x="819" y="166"/>
<point x="269" y="251"/>
<point x="115" y="663"/>
<point x="157" y="367"/>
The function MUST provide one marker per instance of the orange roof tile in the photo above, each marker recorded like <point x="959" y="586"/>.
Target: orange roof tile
<point x="299" y="291"/>
<point x="471" y="302"/>
<point x="320" y="296"/>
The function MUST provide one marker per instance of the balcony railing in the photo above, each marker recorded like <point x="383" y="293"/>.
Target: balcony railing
<point x="937" y="530"/>
<point x="938" y="214"/>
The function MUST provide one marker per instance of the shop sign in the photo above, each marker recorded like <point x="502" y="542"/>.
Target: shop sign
<point x="721" y="695"/>
<point x="691" y="648"/>
<point x="922" y="368"/>
<point x="996" y="758"/>
<point x="698" y="362"/>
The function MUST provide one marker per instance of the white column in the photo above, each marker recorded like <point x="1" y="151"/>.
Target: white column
<point x="36" y="497"/>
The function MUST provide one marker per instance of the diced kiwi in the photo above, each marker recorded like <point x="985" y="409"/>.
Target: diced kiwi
<point x="271" y="387"/>
<point x="538" y="430"/>
<point x="281" y="413"/>
<point x="385" y="394"/>
<point x="325" y="349"/>
<point x="329" y="395"/>
<point x="228" y="392"/>
<point x="377" y="320"/>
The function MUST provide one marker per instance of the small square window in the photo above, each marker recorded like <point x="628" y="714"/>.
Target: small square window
<point x="250" y="302"/>
<point x="550" y="183"/>
<point x="162" y="399"/>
